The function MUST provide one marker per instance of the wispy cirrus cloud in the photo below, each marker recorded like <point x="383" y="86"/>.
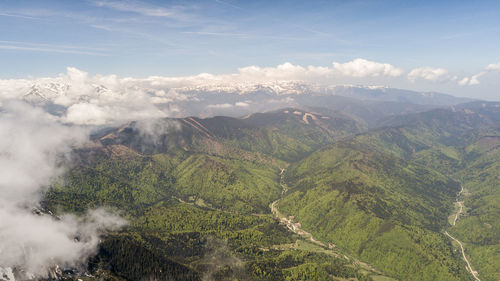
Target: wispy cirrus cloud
<point x="290" y="24"/>
<point x="14" y="15"/>
<point x="227" y="3"/>
<point x="50" y="48"/>
<point x="221" y="34"/>
<point x="145" y="9"/>
<point x="61" y="46"/>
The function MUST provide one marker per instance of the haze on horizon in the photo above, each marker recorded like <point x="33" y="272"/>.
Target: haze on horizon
<point x="450" y="47"/>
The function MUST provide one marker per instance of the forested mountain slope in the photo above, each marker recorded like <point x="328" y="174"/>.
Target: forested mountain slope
<point x="197" y="195"/>
<point x="348" y="182"/>
<point x="383" y="209"/>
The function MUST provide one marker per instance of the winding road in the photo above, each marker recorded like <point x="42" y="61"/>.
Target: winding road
<point x="461" y="204"/>
<point x="288" y="222"/>
<point x="297" y="229"/>
<point x="459" y="212"/>
<point x="469" y="267"/>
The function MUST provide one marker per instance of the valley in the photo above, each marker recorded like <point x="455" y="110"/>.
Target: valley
<point x="460" y="207"/>
<point x="469" y="267"/>
<point x="296" y="228"/>
<point x="232" y="140"/>
<point x="288" y="222"/>
<point x="290" y="194"/>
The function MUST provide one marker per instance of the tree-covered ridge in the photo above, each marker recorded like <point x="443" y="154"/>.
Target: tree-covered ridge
<point x="479" y="228"/>
<point x="284" y="135"/>
<point x="185" y="189"/>
<point x="460" y="143"/>
<point x="385" y="210"/>
<point x="137" y="181"/>
<point x="463" y="143"/>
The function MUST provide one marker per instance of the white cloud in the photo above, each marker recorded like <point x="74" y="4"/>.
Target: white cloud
<point x="220" y="105"/>
<point x="228" y="105"/>
<point x="81" y="83"/>
<point x="364" y="68"/>
<point x="493" y="67"/>
<point x="432" y="74"/>
<point x="286" y="71"/>
<point x="108" y="99"/>
<point x="464" y="81"/>
<point x="358" y="68"/>
<point x="86" y="113"/>
<point x="86" y="99"/>
<point x="474" y="79"/>
<point x="242" y="104"/>
<point x="93" y="100"/>
<point x="33" y="147"/>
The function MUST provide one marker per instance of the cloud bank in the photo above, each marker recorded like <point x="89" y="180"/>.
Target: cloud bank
<point x="75" y="97"/>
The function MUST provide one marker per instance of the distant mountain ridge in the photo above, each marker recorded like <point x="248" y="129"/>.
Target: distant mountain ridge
<point x="230" y="100"/>
<point x="374" y="93"/>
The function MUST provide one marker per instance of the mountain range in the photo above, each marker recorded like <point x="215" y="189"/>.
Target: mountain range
<point x="237" y="99"/>
<point x="330" y="183"/>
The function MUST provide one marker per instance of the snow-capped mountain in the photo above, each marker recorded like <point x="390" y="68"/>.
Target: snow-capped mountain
<point x="99" y="102"/>
<point x="40" y="93"/>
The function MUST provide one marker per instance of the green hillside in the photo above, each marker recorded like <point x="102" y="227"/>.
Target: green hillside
<point x="345" y="193"/>
<point x="463" y="144"/>
<point x="382" y="209"/>
<point x="197" y="199"/>
<point x="197" y="195"/>
<point x="479" y="228"/>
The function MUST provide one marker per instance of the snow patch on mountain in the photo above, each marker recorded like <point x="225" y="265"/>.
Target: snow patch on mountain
<point x="77" y="98"/>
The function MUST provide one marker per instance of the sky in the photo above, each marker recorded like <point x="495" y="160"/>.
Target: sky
<point x="445" y="46"/>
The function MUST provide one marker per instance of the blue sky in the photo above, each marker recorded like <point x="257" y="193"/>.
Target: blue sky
<point x="178" y="38"/>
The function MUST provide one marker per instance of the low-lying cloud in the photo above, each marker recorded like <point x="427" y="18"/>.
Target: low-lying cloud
<point x="228" y="105"/>
<point x="437" y="75"/>
<point x="97" y="100"/>
<point x="34" y="147"/>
